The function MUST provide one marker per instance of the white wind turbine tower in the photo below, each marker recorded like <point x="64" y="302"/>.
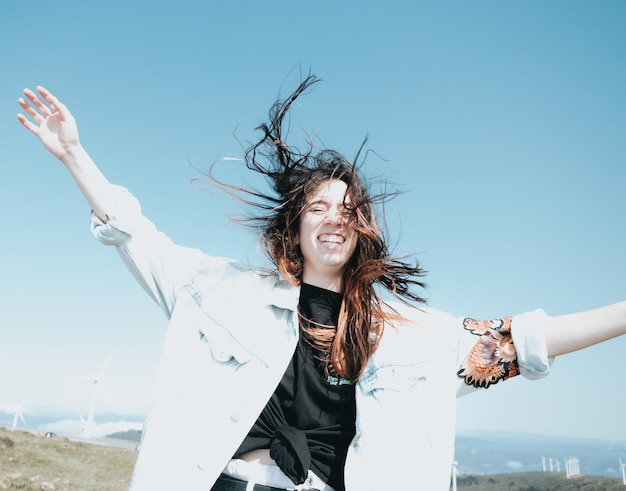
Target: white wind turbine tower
<point x="18" y="414"/>
<point x="16" y="410"/>
<point x="572" y="468"/>
<point x="96" y="380"/>
<point x="622" y="467"/>
<point x="568" y="467"/>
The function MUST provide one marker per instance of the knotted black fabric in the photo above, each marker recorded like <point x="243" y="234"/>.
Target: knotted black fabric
<point x="308" y="423"/>
<point x="290" y="450"/>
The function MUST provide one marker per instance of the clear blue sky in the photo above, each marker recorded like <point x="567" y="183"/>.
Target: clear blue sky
<point x="504" y="124"/>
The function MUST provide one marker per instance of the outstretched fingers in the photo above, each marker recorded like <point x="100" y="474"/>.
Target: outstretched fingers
<point x="41" y="106"/>
<point x="28" y="109"/>
<point x="38" y="115"/>
<point x="36" y="101"/>
<point x="52" y="101"/>
<point x="48" y="120"/>
<point x="27" y="124"/>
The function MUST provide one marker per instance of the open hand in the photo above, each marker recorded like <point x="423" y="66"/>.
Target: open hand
<point x="53" y="124"/>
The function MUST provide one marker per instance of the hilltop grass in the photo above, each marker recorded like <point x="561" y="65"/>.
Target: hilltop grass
<point x="32" y="462"/>
<point x="538" y="481"/>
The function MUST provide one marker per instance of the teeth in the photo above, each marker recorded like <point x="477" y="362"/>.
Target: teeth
<point x="334" y="239"/>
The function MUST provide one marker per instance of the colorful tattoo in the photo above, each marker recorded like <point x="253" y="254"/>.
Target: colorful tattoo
<point x="493" y="357"/>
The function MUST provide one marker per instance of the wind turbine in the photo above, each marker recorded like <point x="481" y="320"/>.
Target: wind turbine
<point x="571" y="467"/>
<point x="622" y="467"/>
<point x="96" y="380"/>
<point x="568" y="467"/>
<point x="17" y="412"/>
<point x="16" y="415"/>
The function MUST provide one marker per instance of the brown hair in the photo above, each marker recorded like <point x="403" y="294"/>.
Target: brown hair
<point x="293" y="176"/>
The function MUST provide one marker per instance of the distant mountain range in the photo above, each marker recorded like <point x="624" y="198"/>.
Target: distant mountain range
<point x="517" y="453"/>
<point x="130" y="435"/>
<point x="477" y="453"/>
<point x="505" y="453"/>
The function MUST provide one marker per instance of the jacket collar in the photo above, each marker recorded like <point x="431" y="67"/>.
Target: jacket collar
<point x="284" y="296"/>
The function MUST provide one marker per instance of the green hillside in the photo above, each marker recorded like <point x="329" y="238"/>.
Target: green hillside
<point x="538" y="481"/>
<point x="33" y="462"/>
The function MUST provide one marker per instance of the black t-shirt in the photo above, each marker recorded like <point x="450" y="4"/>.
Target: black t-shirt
<point x="309" y="420"/>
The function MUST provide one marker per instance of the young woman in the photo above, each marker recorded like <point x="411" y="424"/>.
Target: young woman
<point x="307" y="377"/>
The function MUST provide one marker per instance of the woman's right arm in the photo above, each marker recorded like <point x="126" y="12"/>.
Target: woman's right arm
<point x="56" y="128"/>
<point x="161" y="267"/>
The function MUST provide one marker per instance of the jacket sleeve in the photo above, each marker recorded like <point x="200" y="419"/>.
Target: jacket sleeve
<point x="499" y="349"/>
<point x="161" y="267"/>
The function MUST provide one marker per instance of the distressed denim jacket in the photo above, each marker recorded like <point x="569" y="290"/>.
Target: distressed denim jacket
<point x="231" y="335"/>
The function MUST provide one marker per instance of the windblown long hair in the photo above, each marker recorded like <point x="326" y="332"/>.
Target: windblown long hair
<point x="293" y="175"/>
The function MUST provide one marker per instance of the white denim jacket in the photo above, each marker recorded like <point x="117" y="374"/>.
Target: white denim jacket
<point x="231" y="335"/>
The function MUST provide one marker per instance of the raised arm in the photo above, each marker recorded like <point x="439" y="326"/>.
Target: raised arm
<point x="56" y="128"/>
<point x="571" y="332"/>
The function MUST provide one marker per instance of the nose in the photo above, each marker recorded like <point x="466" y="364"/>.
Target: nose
<point x="334" y="217"/>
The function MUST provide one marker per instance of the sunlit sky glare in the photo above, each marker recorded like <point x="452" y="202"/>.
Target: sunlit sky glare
<point x="502" y="123"/>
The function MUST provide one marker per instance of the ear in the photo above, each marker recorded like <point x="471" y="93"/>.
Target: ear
<point x="296" y="239"/>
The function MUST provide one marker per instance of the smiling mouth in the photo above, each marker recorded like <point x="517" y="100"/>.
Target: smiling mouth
<point x="331" y="239"/>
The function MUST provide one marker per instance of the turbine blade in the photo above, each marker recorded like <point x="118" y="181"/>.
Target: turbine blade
<point x="105" y="366"/>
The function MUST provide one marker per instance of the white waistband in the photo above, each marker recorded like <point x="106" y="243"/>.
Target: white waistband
<point x="271" y="475"/>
